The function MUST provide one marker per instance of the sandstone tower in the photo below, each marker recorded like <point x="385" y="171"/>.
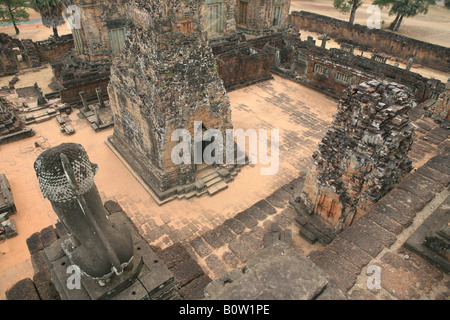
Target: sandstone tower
<point x="165" y="79"/>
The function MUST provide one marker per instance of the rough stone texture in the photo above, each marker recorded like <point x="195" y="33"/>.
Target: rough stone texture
<point x="188" y="274"/>
<point x="440" y="111"/>
<point x="33" y="54"/>
<point x="200" y="247"/>
<point x="174" y="254"/>
<point x="427" y="54"/>
<point x="23" y="290"/>
<point x="276" y="273"/>
<point x="48" y="236"/>
<point x="7" y="205"/>
<point x="12" y="127"/>
<point x="330" y="71"/>
<point x="34" y="243"/>
<point x="405" y="275"/>
<point x="240" y="64"/>
<point x="235" y="225"/>
<point x="44" y="285"/>
<point x="164" y="81"/>
<point x="194" y="290"/>
<point x="186" y="271"/>
<point x="8" y="229"/>
<point x="260" y="17"/>
<point x="362" y="156"/>
<point x="431" y="240"/>
<point x="410" y="278"/>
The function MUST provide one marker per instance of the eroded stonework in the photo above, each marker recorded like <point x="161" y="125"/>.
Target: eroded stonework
<point x="440" y="111"/>
<point x="165" y="79"/>
<point x="12" y="127"/>
<point x="363" y="155"/>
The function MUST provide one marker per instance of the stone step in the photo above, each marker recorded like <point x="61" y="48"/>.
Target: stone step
<point x="188" y="195"/>
<point x="217" y="188"/>
<point x="205" y="173"/>
<point x="203" y="167"/>
<point x="212" y="176"/>
<point x="308" y="235"/>
<point x="213" y="181"/>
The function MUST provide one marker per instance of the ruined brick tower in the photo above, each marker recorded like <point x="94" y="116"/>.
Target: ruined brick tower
<point x="12" y="127"/>
<point x="165" y="79"/>
<point x="363" y="155"/>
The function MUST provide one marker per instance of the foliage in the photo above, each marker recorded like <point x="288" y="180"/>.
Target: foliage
<point x="50" y="10"/>
<point x="404" y="9"/>
<point x="13" y="12"/>
<point x="346" y="6"/>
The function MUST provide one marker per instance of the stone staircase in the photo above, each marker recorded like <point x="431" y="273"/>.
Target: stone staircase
<point x="210" y="180"/>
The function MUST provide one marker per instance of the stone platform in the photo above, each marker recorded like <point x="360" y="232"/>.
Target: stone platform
<point x="278" y="272"/>
<point x="431" y="231"/>
<point x="146" y="278"/>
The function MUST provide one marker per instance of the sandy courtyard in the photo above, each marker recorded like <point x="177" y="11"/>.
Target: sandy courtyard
<point x="300" y="114"/>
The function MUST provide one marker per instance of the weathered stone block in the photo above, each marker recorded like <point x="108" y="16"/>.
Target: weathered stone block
<point x="34" y="243"/>
<point x="186" y="272"/>
<point x="174" y="255"/>
<point x="200" y="247"/>
<point x="23" y="290"/>
<point x="46" y="289"/>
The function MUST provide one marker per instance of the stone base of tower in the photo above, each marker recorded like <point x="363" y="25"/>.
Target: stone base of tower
<point x="206" y="180"/>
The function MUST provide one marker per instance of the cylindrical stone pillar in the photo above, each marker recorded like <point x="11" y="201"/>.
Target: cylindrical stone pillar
<point x="66" y="178"/>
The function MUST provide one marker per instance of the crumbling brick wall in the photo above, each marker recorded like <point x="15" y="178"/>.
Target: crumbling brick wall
<point x="53" y="48"/>
<point x="32" y="54"/>
<point x="331" y="71"/>
<point x="427" y="54"/>
<point x="9" y="121"/>
<point x="363" y="155"/>
<point x="9" y="50"/>
<point x="440" y="111"/>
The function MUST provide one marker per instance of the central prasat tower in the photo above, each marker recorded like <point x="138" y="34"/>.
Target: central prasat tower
<point x="165" y="79"/>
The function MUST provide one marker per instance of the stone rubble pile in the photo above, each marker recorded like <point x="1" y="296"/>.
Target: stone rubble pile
<point x="9" y="122"/>
<point x="363" y="155"/>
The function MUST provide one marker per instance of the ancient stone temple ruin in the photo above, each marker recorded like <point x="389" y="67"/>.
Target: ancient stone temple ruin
<point x="98" y="30"/>
<point x="440" y="111"/>
<point x="166" y="80"/>
<point x="363" y="155"/>
<point x="12" y="127"/>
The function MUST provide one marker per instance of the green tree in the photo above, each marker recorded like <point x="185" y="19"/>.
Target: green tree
<point x="346" y="6"/>
<point x="51" y="13"/>
<point x="404" y="9"/>
<point x="447" y="3"/>
<point x="14" y="12"/>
